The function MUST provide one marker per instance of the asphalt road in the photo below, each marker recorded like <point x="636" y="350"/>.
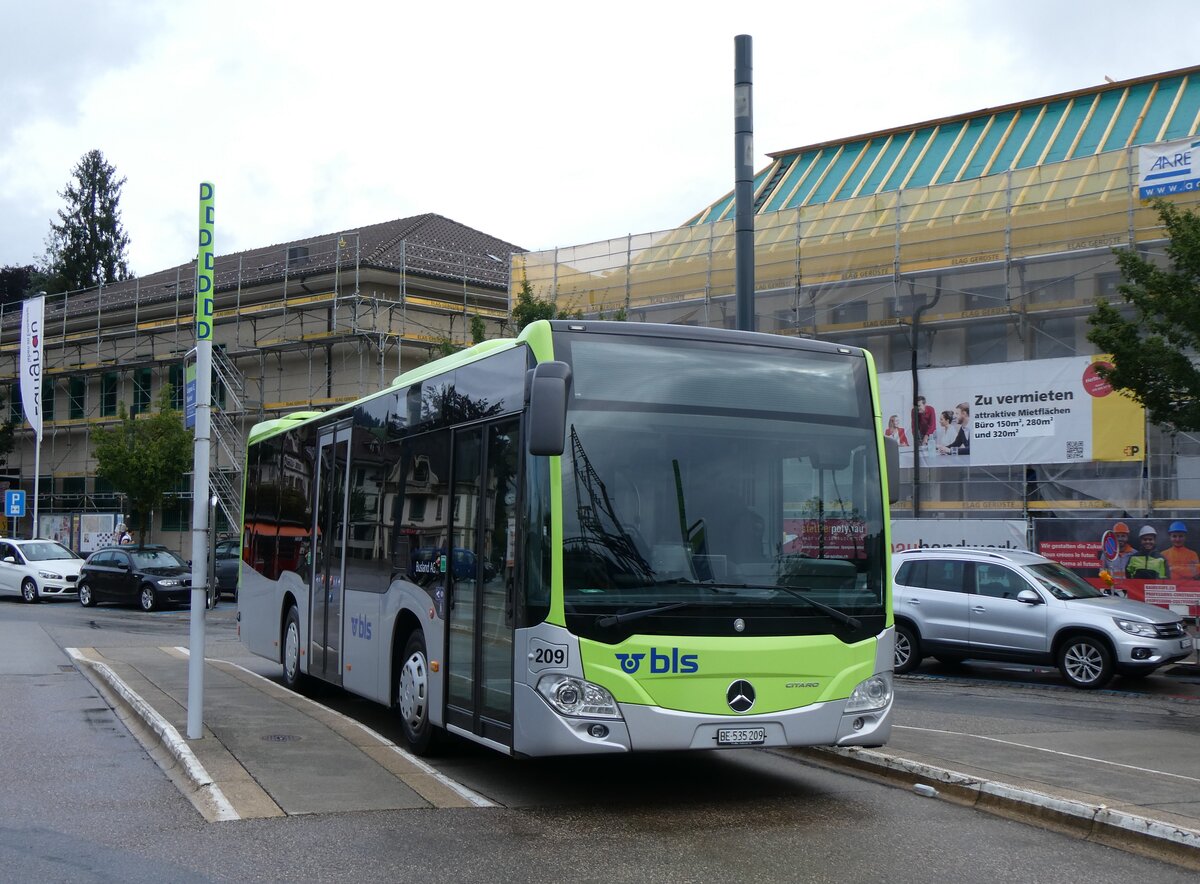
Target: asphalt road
<point x="81" y="801"/>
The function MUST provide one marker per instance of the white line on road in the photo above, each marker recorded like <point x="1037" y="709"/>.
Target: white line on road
<point x="1161" y="773"/>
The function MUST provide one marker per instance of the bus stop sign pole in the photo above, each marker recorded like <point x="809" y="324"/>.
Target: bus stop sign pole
<point x="200" y="544"/>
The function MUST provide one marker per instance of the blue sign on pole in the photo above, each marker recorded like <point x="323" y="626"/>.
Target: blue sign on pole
<point x="189" y="398"/>
<point x="14" y="504"/>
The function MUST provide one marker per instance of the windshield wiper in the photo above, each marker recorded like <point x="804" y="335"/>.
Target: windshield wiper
<point x="614" y="619"/>
<point x="840" y="616"/>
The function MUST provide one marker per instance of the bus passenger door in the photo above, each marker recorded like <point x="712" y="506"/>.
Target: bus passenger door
<point x="480" y="565"/>
<point x="329" y="551"/>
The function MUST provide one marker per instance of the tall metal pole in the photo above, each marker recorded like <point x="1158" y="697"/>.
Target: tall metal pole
<point x="743" y="122"/>
<point x="200" y="508"/>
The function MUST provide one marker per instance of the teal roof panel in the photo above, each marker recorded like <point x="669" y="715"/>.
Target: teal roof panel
<point x="939" y="146"/>
<point x="966" y="144"/>
<point x="835" y="174"/>
<point x="1156" y="114"/>
<point x="1007" y="152"/>
<point x="1044" y="131"/>
<point x="987" y="145"/>
<point x="1128" y="116"/>
<point x="1183" y="121"/>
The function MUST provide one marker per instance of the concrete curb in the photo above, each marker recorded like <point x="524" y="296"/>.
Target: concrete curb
<point x="169" y="738"/>
<point x="1095" y="822"/>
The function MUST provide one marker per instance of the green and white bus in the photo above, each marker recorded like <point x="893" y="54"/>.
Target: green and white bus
<point x="595" y="537"/>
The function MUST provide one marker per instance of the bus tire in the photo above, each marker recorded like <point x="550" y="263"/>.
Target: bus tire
<point x="412" y="695"/>
<point x="292" y="676"/>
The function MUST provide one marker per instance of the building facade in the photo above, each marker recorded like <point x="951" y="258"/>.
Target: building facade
<point x="975" y="245"/>
<point x="299" y="326"/>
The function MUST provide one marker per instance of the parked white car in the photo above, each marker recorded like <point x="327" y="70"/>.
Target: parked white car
<point x="36" y="569"/>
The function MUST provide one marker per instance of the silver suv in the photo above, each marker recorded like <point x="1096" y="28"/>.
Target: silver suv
<point x="955" y="604"/>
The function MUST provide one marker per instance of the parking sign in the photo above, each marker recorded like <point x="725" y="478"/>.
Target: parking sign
<point x="14" y="504"/>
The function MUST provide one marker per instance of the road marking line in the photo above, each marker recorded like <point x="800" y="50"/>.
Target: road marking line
<point x="175" y="744"/>
<point x="1150" y="770"/>
<point x="464" y="791"/>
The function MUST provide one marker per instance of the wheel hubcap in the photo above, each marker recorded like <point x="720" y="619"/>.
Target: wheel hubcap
<point x="147" y="599"/>
<point x="30" y="592"/>
<point x="413" y="685"/>
<point x="291" y="650"/>
<point x="1083" y="662"/>
<point x="85" y="594"/>
<point x="903" y="650"/>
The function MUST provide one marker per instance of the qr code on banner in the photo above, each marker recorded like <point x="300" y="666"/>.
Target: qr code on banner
<point x="1075" y="451"/>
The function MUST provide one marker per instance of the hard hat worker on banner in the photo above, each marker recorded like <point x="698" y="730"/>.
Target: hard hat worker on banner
<point x="1183" y="562"/>
<point x="1146" y="563"/>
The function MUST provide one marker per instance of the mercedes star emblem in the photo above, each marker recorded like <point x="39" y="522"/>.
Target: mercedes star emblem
<point x="740" y="696"/>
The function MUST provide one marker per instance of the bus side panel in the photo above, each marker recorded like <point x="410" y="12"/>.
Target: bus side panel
<point x="364" y="642"/>
<point x="262" y="606"/>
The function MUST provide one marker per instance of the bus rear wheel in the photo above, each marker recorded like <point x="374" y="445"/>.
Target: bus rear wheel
<point x="412" y="695"/>
<point x="292" y="676"/>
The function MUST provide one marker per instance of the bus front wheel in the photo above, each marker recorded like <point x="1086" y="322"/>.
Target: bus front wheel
<point x="292" y="675"/>
<point x="412" y="695"/>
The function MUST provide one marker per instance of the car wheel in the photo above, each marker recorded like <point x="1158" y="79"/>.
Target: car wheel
<point x="292" y="676"/>
<point x="85" y="595"/>
<point x="29" y="590"/>
<point x="1086" y="662"/>
<point x="412" y="696"/>
<point x="908" y="649"/>
<point x="146" y="598"/>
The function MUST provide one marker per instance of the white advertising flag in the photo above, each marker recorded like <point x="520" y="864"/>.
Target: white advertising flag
<point x="32" y="316"/>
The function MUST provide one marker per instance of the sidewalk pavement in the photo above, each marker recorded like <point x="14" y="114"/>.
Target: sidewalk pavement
<point x="268" y="751"/>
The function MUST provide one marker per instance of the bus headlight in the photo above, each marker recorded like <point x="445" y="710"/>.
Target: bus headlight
<point x="874" y="693"/>
<point x="574" y="696"/>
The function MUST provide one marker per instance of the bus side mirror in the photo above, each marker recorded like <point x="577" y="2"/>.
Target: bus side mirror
<point x="548" y="408"/>
<point x="891" y="451"/>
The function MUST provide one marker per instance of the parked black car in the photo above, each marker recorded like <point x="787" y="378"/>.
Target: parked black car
<point x="149" y="576"/>
<point x="228" y="563"/>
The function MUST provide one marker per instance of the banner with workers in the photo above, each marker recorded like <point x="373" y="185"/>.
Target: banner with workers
<point x="1150" y="560"/>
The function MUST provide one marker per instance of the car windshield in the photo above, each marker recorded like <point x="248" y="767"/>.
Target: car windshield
<point x="46" y="551"/>
<point x="156" y="558"/>
<point x="701" y="476"/>
<point x="1062" y="583"/>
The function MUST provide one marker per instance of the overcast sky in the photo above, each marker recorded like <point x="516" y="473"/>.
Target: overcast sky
<point x="544" y="124"/>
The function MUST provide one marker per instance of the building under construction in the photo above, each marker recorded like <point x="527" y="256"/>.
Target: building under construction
<point x="298" y="326"/>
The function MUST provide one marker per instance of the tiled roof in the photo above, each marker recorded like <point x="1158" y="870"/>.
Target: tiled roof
<point x="1113" y="116"/>
<point x="423" y="246"/>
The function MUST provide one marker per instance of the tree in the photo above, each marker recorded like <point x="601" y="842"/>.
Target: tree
<point x="88" y="246"/>
<point x="530" y="308"/>
<point x="17" y="282"/>
<point x="1154" y="352"/>
<point x="8" y="430"/>
<point x="143" y="457"/>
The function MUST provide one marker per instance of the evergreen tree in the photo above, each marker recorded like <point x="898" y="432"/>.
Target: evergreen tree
<point x="87" y="247"/>
<point x="1154" y="351"/>
<point x="143" y="457"/>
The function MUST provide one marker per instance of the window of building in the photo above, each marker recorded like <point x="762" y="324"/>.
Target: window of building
<point x="1106" y="285"/>
<point x="177" y="509"/>
<point x="904" y="304"/>
<point x="1050" y="291"/>
<point x="986" y="342"/>
<point x="175" y="379"/>
<point x="853" y="313"/>
<point x="78" y="394"/>
<point x="142" y="379"/>
<point x="106" y="496"/>
<point x="73" y="490"/>
<point x="109" y="386"/>
<point x="1053" y="338"/>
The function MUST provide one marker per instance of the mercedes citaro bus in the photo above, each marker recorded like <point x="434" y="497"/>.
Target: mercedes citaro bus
<point x="595" y="537"/>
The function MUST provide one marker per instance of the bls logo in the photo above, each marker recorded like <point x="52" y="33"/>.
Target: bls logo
<point x="360" y="627"/>
<point x="660" y="664"/>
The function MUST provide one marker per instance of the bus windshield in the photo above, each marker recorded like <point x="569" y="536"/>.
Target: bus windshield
<point x="703" y="478"/>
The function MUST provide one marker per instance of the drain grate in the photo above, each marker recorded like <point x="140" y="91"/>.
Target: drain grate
<point x="281" y="738"/>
